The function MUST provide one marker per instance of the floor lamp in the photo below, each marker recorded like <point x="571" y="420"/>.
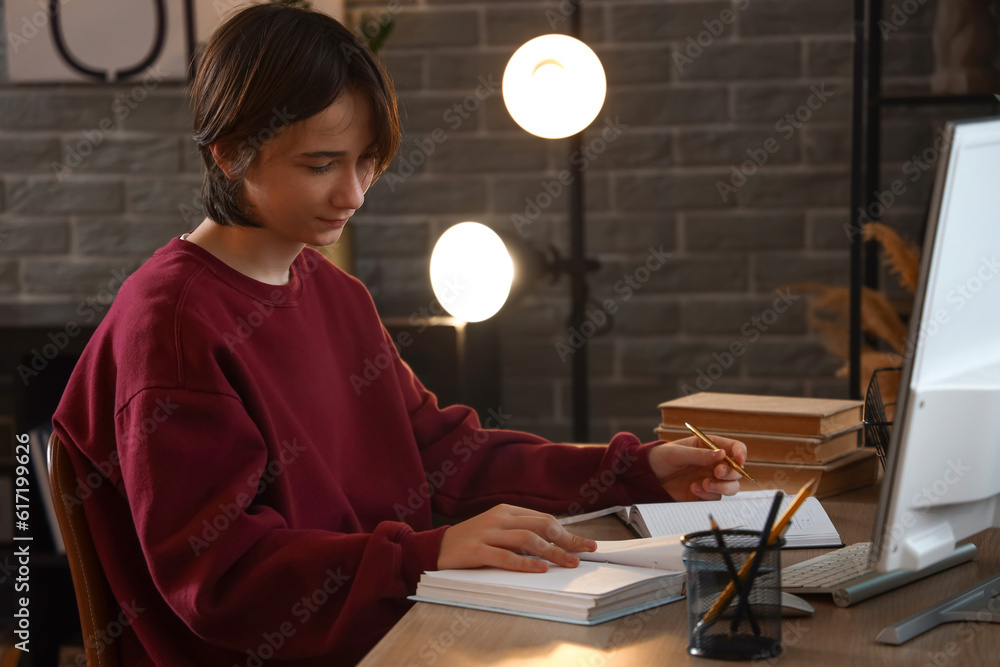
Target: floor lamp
<point x="554" y="87"/>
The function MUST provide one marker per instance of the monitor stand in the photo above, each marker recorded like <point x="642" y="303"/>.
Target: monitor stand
<point x="978" y="603"/>
<point x="876" y="583"/>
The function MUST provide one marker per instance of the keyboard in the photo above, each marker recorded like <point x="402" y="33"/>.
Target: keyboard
<point x="829" y="572"/>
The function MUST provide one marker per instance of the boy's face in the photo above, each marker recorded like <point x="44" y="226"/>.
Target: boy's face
<point x="311" y="178"/>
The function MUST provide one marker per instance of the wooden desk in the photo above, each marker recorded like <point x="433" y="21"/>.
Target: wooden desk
<point x="440" y="635"/>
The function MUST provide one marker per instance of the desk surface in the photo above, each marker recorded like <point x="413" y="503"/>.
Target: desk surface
<point x="439" y="635"/>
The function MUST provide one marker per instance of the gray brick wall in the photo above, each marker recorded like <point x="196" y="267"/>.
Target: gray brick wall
<point x="699" y="87"/>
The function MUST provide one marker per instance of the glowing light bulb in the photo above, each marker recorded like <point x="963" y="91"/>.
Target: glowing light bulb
<point x="554" y="86"/>
<point x="471" y="271"/>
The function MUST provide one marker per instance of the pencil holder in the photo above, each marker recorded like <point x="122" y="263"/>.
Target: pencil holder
<point x="880" y="408"/>
<point x="734" y="607"/>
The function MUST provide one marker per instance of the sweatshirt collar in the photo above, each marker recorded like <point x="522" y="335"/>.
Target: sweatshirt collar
<point x="287" y="294"/>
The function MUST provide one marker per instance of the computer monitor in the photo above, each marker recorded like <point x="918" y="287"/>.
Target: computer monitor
<point x="942" y="480"/>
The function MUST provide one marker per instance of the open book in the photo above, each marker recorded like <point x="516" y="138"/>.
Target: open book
<point x="591" y="593"/>
<point x="810" y="528"/>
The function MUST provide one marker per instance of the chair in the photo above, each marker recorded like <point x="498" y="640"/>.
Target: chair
<point x="93" y="593"/>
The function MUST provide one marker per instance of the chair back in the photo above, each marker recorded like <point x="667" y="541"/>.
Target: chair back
<point x="93" y="593"/>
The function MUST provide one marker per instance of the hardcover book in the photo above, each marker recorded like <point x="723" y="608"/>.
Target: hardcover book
<point x="780" y="448"/>
<point x="749" y="413"/>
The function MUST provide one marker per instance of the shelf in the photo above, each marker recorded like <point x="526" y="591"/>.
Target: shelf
<point x="935" y="100"/>
<point x="869" y="98"/>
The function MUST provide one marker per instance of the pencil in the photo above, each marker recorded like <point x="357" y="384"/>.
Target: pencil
<point x="735" y="577"/>
<point x="779" y="527"/>
<point x="765" y="534"/>
<point x="708" y="441"/>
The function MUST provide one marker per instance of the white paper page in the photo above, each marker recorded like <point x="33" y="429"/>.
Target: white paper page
<point x="585" y="579"/>
<point x="661" y="553"/>
<point x="577" y="518"/>
<point x="748" y="513"/>
<point x="743" y="495"/>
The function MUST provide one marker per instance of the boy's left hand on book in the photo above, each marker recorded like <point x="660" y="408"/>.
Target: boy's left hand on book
<point x="689" y="470"/>
<point x="510" y="538"/>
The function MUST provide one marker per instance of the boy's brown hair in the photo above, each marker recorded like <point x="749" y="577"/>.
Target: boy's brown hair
<point x="268" y="66"/>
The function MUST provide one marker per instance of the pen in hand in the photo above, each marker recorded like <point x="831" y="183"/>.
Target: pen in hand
<point x="704" y="438"/>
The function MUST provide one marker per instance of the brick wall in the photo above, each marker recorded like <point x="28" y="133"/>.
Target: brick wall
<point x="685" y="116"/>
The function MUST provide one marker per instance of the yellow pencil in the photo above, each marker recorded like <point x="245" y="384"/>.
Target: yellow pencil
<point x="708" y="441"/>
<point x="779" y="527"/>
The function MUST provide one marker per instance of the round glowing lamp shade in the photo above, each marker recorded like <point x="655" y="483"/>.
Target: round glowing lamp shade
<point x="471" y="271"/>
<point x="554" y="86"/>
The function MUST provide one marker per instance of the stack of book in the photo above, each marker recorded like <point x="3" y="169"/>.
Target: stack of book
<point x="592" y="593"/>
<point x="789" y="440"/>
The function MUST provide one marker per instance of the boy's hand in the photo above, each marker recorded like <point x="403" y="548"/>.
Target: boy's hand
<point x="689" y="470"/>
<point x="499" y="536"/>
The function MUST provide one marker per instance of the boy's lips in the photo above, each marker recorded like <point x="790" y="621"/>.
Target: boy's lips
<point x="334" y="222"/>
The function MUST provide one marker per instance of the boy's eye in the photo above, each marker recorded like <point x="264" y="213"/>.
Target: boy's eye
<point x="322" y="169"/>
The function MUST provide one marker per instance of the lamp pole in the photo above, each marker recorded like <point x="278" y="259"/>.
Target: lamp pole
<point x="554" y="86"/>
<point x="578" y="294"/>
<point x="578" y="272"/>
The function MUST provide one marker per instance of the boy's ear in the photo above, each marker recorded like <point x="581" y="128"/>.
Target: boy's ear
<point x="223" y="158"/>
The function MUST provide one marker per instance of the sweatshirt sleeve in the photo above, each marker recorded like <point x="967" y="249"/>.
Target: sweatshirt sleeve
<point x="472" y="468"/>
<point x="229" y="565"/>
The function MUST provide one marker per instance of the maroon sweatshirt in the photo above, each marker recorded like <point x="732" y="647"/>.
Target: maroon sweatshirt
<point x="259" y="467"/>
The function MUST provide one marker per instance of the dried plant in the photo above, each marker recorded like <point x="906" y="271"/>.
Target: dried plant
<point x="901" y="257"/>
<point x="829" y="309"/>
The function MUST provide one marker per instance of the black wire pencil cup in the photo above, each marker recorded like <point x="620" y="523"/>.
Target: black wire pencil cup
<point x="878" y="414"/>
<point x="734" y="591"/>
<point x="748" y="627"/>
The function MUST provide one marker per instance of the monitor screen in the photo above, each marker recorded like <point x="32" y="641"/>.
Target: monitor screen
<point x="942" y="479"/>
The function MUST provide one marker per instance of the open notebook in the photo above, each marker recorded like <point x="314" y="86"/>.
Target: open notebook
<point x="811" y="526"/>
